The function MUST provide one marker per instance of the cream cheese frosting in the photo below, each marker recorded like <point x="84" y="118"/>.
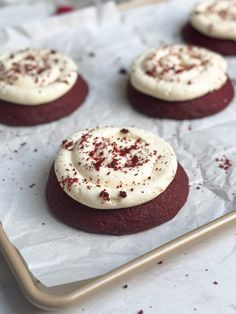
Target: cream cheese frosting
<point x="215" y="18"/>
<point x="108" y="168"/>
<point x="178" y="72"/>
<point x="35" y="77"/>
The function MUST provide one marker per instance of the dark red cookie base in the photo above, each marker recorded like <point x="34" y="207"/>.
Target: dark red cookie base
<point x="194" y="37"/>
<point x="21" y="115"/>
<point x="206" y="105"/>
<point x="118" y="221"/>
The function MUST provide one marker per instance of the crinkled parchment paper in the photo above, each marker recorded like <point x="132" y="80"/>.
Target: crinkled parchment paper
<point x="101" y="46"/>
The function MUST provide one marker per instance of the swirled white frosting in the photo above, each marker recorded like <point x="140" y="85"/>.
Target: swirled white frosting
<point x="215" y="18"/>
<point x="109" y="167"/>
<point x="35" y="77"/>
<point x="178" y="72"/>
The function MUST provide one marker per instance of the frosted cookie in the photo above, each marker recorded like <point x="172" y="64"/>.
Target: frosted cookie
<point x="38" y="86"/>
<point x="179" y="82"/>
<point x="213" y="25"/>
<point x="116" y="181"/>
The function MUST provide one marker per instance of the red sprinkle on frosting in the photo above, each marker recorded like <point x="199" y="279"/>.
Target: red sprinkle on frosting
<point x="69" y="145"/>
<point x="125" y="131"/>
<point x="113" y="164"/>
<point x="104" y="195"/>
<point x="98" y="164"/>
<point x="66" y="183"/>
<point x="123" y="194"/>
<point x="133" y="162"/>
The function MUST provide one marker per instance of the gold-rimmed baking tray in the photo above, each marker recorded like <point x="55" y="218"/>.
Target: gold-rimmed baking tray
<point x="64" y="295"/>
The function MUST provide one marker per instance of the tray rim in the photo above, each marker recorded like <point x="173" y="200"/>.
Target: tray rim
<point x="59" y="297"/>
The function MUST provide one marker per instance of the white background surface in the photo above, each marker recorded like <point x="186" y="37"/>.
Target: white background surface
<point x="180" y="284"/>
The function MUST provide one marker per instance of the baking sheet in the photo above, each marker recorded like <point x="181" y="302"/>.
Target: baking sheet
<point x="102" y="45"/>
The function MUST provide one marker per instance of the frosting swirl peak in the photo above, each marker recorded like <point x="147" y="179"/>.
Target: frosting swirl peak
<point x="178" y="72"/>
<point x="215" y="18"/>
<point x="114" y="167"/>
<point x="34" y="76"/>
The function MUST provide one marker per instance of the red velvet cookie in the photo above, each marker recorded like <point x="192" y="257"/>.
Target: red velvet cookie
<point x="179" y="82"/>
<point x="38" y="86"/>
<point x="20" y="115"/>
<point x="212" y="25"/>
<point x="116" y="181"/>
<point x="192" y="36"/>
<point x="118" y="221"/>
<point x="206" y="105"/>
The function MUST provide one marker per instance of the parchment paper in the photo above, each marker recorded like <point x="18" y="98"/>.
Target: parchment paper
<point x="101" y="46"/>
